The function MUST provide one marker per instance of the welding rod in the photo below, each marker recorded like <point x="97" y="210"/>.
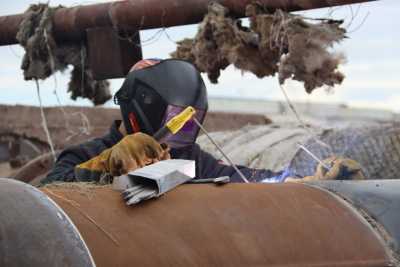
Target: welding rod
<point x="314" y="157"/>
<point x="221" y="151"/>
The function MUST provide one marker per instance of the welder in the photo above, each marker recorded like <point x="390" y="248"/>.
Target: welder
<point x="153" y="92"/>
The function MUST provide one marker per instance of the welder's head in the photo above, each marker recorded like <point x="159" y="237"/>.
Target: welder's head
<point x="155" y="91"/>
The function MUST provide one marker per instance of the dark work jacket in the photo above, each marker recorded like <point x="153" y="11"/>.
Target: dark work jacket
<point x="206" y="165"/>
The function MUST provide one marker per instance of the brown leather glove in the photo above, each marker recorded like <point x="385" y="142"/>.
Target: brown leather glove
<point x="341" y="169"/>
<point x="132" y="152"/>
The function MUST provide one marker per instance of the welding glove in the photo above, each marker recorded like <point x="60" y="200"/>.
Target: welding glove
<point x="340" y="169"/>
<point x="132" y="152"/>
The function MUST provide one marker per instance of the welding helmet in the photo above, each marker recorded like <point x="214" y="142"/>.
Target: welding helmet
<point x="154" y="91"/>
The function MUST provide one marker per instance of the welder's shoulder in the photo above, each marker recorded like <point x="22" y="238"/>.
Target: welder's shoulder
<point x="63" y="169"/>
<point x="204" y="154"/>
<point x="204" y="160"/>
<point x="193" y="152"/>
<point x="198" y="153"/>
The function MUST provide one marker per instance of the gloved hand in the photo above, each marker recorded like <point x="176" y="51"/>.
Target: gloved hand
<point x="340" y="169"/>
<point x="132" y="152"/>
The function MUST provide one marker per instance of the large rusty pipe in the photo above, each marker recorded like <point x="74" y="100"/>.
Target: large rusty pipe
<point x="71" y="23"/>
<point x="233" y="225"/>
<point x="194" y="225"/>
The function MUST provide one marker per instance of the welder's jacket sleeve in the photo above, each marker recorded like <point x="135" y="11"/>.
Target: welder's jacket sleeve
<point x="206" y="165"/>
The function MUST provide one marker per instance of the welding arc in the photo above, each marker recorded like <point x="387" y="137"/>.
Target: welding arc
<point x="221" y="151"/>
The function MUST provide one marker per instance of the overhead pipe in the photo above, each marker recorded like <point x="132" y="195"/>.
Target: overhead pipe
<point x="70" y="24"/>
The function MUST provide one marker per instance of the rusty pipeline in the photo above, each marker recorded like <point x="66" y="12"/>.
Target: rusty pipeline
<point x="70" y="24"/>
<point x="80" y="224"/>
<point x="233" y="225"/>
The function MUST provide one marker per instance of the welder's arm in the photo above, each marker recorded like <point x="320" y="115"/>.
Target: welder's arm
<point x="63" y="170"/>
<point x="339" y="169"/>
<point x="210" y="167"/>
<point x="132" y="152"/>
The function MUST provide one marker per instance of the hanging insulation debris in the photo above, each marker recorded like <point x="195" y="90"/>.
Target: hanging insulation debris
<point x="289" y="45"/>
<point x="44" y="56"/>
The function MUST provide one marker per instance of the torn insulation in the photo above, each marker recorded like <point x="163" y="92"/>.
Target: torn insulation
<point x="291" y="46"/>
<point x="44" y="56"/>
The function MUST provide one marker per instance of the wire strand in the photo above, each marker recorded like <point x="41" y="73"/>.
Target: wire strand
<point x="44" y="122"/>
<point x="301" y="121"/>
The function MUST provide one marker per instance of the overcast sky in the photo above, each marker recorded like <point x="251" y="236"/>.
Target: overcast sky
<point x="372" y="71"/>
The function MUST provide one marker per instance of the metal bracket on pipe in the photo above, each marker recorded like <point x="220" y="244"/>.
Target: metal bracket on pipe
<point x="111" y="56"/>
